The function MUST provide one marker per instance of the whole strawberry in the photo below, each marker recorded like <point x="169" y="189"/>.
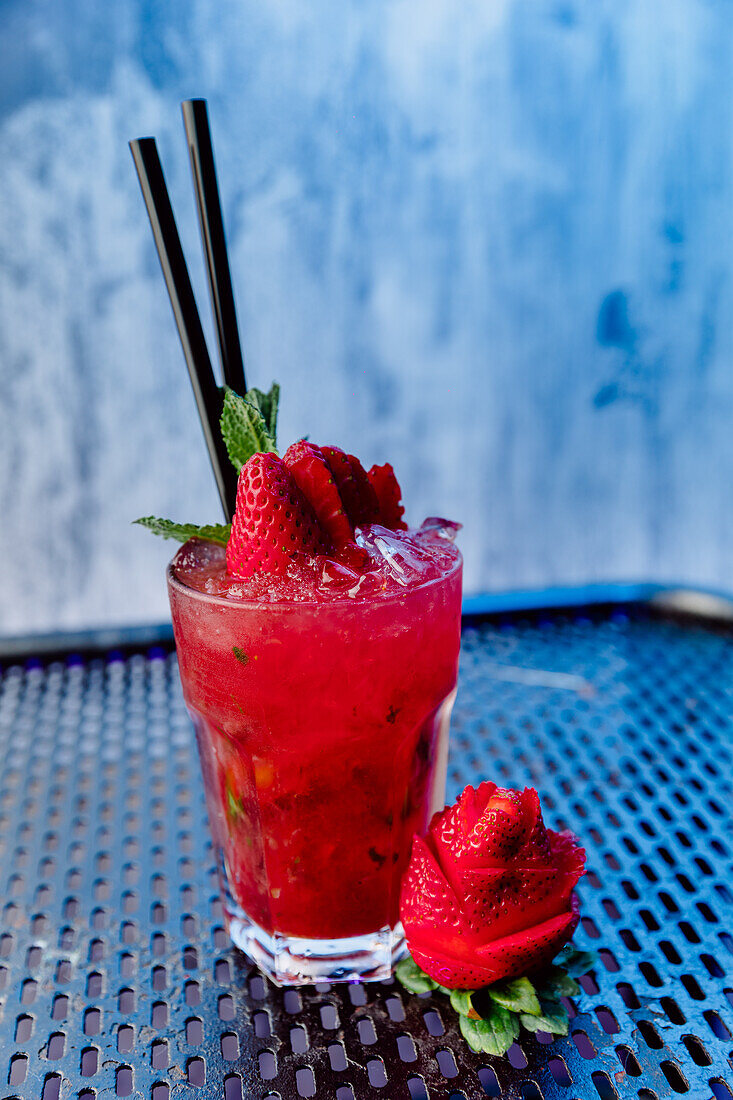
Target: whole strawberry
<point x="488" y="893"/>
<point x="273" y="524"/>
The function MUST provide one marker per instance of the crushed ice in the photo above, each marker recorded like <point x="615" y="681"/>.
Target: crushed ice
<point x="397" y="552"/>
<point x="436" y="527"/>
<point x="386" y="560"/>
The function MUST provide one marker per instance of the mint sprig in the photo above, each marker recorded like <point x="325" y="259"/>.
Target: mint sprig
<point x="267" y="403"/>
<point x="248" y="426"/>
<point x="490" y="1018"/>
<point x="244" y="428"/>
<point x="182" y="532"/>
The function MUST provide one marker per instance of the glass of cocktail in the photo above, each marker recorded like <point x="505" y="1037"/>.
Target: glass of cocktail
<point x="317" y="638"/>
<point x="321" y="709"/>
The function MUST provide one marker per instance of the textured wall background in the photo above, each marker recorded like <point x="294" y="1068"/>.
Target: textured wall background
<point x="491" y="242"/>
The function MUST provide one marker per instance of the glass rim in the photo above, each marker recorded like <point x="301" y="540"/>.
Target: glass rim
<point x="187" y="590"/>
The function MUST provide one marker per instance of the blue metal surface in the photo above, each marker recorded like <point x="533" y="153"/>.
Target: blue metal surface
<point x="116" y="977"/>
<point x="527" y="599"/>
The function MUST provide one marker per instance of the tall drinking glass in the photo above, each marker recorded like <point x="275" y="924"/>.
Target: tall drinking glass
<point x="322" y="728"/>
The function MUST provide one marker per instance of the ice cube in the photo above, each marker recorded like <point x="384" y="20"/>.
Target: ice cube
<point x="367" y="585"/>
<point x="336" y="576"/>
<point x="437" y="527"/>
<point x="396" y="552"/>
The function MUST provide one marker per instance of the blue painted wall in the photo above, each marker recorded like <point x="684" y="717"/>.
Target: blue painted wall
<point x="490" y="241"/>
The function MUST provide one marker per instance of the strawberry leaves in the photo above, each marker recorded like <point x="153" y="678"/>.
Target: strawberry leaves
<point x="490" y="1018"/>
<point x="518" y="996"/>
<point x="552" y="1018"/>
<point x="557" y="982"/>
<point x="460" y="999"/>
<point x="493" y="1034"/>
<point x="577" y="963"/>
<point x="415" y="980"/>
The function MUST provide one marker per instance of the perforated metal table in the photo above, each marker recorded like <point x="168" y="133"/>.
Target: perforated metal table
<point x="116" y="974"/>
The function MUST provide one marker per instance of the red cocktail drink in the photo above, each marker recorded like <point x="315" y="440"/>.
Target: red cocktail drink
<point x="321" y="704"/>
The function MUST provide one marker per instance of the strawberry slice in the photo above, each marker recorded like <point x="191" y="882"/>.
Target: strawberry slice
<point x="506" y="957"/>
<point x="532" y="948"/>
<point x="355" y="489"/>
<point x="389" y="495"/>
<point x="452" y="827"/>
<point x="273" y="523"/>
<point x="313" y="476"/>
<point x="428" y="899"/>
<point x="450" y="971"/>
<point x="499" y="903"/>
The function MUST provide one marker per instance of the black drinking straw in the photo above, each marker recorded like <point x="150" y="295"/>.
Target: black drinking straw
<point x="172" y="261"/>
<point x="213" y="239"/>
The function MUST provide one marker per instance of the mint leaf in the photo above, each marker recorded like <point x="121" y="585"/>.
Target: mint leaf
<point x="518" y="996"/>
<point x="243" y="429"/>
<point x="492" y="1035"/>
<point x="556" y="982"/>
<point x="553" y="1019"/>
<point x="267" y="403"/>
<point x="576" y="962"/>
<point x="234" y="806"/>
<point x="182" y="532"/>
<point x="460" y="999"/>
<point x="241" y="656"/>
<point x="413" y="978"/>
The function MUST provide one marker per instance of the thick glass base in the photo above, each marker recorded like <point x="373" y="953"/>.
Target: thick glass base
<point x="289" y="960"/>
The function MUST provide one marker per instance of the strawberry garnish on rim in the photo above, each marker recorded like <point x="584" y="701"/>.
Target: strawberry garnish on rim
<point x="314" y="478"/>
<point x="389" y="495"/>
<point x="274" y="524"/>
<point x="355" y="489"/>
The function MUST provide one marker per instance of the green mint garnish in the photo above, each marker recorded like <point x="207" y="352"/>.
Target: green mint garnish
<point x="241" y="656"/>
<point x="182" y="532"/>
<point x="235" y="809"/>
<point x="244" y="429"/>
<point x="490" y="1018"/>
<point x="248" y="426"/>
<point x="267" y="403"/>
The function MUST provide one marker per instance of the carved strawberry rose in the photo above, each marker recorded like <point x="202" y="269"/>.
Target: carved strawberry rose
<point x="489" y="892"/>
